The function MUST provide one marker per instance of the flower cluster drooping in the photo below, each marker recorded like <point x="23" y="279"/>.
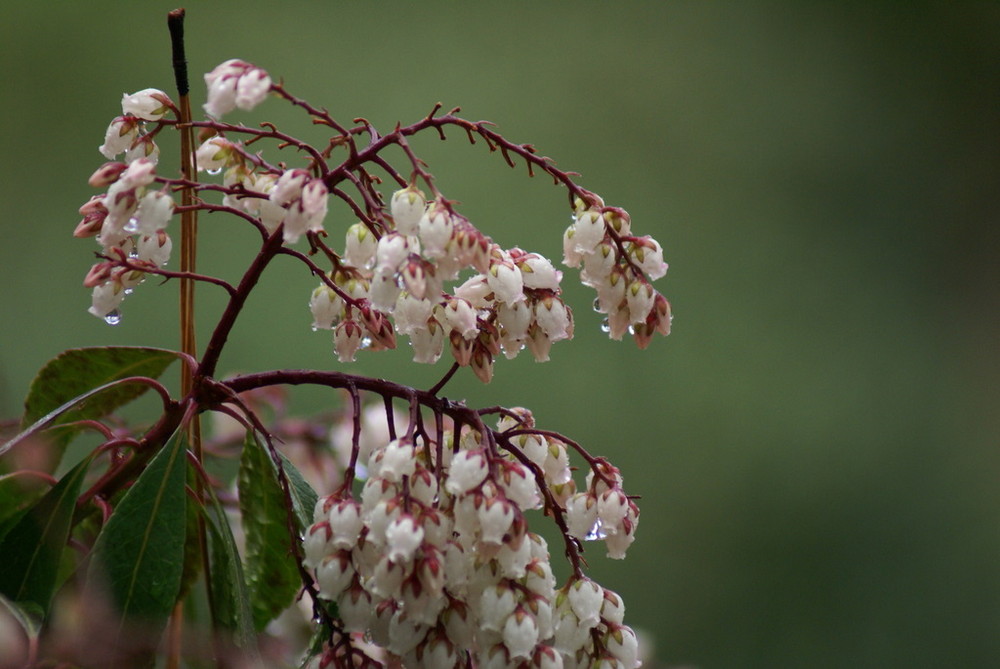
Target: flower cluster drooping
<point x="436" y="564"/>
<point x="129" y="221"/>
<point x="511" y="300"/>
<point x="620" y="268"/>
<point x="433" y="562"/>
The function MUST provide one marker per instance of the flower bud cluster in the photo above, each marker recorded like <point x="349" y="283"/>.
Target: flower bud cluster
<point x="235" y="83"/>
<point x="511" y="301"/>
<point x="129" y="223"/>
<point x="436" y="564"/>
<point x="126" y="134"/>
<point x="620" y="267"/>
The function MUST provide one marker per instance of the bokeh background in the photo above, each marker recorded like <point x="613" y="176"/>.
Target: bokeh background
<point x="816" y="444"/>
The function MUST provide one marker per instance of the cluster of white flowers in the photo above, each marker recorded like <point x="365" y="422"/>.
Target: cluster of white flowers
<point x="235" y="83"/>
<point x="124" y="134"/>
<point x="130" y="219"/>
<point x="436" y="565"/>
<point x="619" y="267"/>
<point x="511" y="301"/>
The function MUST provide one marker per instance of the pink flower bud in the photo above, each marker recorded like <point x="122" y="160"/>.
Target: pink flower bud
<point x="106" y="174"/>
<point x="482" y="364"/>
<point x="461" y="348"/>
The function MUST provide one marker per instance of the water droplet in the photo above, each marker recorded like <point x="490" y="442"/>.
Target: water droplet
<point x="113" y="317"/>
<point x="315" y="329"/>
<point x="217" y="170"/>
<point x="132" y="226"/>
<point x="631" y="330"/>
<point x="365" y="342"/>
<point x="596" y="533"/>
<point x="605" y="326"/>
<point x="128" y="291"/>
<point x="597" y="305"/>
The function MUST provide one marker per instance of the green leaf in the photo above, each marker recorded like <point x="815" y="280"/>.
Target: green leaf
<point x="33" y="547"/>
<point x="230" y="596"/>
<point x="304" y="498"/>
<point x="17" y="493"/>
<point x="28" y="615"/>
<point x="139" y="555"/>
<point x="64" y="385"/>
<point x="271" y="571"/>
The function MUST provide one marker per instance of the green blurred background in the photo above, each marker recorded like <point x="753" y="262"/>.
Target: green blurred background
<point x="815" y="445"/>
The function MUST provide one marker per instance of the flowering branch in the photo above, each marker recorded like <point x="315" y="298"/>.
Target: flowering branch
<point x="423" y="554"/>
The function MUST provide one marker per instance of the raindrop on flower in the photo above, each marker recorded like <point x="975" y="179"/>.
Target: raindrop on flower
<point x="132" y="226"/>
<point x="213" y="172"/>
<point x="597" y="304"/>
<point x="365" y="342"/>
<point x="113" y="317"/>
<point x="605" y="326"/>
<point x="596" y="533"/>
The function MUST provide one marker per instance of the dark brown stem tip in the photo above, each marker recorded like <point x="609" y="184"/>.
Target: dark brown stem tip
<point x="175" y="23"/>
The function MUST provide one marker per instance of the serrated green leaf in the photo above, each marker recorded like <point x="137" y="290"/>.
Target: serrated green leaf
<point x="33" y="547"/>
<point x="138" y="557"/>
<point x="65" y="383"/>
<point x="304" y="498"/>
<point x="230" y="596"/>
<point x="272" y="574"/>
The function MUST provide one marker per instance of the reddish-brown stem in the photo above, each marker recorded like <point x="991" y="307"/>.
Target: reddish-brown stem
<point x="228" y="319"/>
<point x="436" y="388"/>
<point x="572" y="546"/>
<point x="157" y="271"/>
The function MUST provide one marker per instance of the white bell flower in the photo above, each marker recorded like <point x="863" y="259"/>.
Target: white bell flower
<point x="407" y="208"/>
<point x="520" y="633"/>
<point x="538" y="272"/>
<point x="403" y="537"/>
<point x="120" y="135"/>
<point x="106" y="298"/>
<point x="149" y="104"/>
<point x="360" y="246"/>
<point x="252" y="88"/>
<point x="156" y="208"/>
<point x="505" y="279"/>
<point x="468" y="469"/>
